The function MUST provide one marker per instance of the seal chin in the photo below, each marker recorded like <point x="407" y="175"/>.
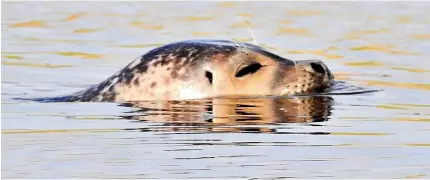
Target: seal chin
<point x="288" y="91"/>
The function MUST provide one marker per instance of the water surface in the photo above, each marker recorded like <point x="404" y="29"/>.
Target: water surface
<point x="53" y="48"/>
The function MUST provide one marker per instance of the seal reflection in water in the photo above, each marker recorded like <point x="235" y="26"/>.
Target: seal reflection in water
<point x="197" y="69"/>
<point x="188" y="114"/>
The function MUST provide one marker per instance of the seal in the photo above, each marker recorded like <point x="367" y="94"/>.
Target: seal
<point x="195" y="69"/>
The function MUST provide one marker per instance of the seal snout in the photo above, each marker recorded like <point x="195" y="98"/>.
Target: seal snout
<point x="311" y="76"/>
<point x="315" y="68"/>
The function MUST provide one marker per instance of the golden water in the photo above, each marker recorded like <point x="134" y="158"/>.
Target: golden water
<point x="55" y="48"/>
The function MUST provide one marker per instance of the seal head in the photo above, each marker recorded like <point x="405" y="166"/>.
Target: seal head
<point x="209" y="68"/>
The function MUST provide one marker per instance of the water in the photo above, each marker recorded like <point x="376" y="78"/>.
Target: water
<point x="52" y="48"/>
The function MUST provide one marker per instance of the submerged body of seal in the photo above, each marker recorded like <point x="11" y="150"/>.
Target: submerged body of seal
<point x="196" y="69"/>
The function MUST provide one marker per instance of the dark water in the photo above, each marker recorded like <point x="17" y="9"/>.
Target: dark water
<point x="52" y="48"/>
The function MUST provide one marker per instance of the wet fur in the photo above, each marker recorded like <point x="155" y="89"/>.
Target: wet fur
<point x="163" y="66"/>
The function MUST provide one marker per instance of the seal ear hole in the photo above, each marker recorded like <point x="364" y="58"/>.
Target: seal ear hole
<point x="209" y="76"/>
<point x="250" y="69"/>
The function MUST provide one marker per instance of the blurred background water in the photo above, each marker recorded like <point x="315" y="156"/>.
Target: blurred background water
<point x="55" y="48"/>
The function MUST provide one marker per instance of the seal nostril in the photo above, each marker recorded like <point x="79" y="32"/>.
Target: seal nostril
<point x="318" y="68"/>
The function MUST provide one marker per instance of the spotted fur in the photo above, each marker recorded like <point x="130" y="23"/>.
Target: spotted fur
<point x="177" y="71"/>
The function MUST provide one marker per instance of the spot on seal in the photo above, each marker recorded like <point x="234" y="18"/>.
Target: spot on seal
<point x="174" y="74"/>
<point x="153" y="84"/>
<point x="136" y="82"/>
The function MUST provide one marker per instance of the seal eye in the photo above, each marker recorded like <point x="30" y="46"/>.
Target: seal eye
<point x="252" y="68"/>
<point x="209" y="76"/>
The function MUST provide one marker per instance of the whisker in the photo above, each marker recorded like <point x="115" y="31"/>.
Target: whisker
<point x="252" y="34"/>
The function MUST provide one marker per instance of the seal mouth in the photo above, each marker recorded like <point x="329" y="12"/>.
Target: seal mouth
<point x="305" y="88"/>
